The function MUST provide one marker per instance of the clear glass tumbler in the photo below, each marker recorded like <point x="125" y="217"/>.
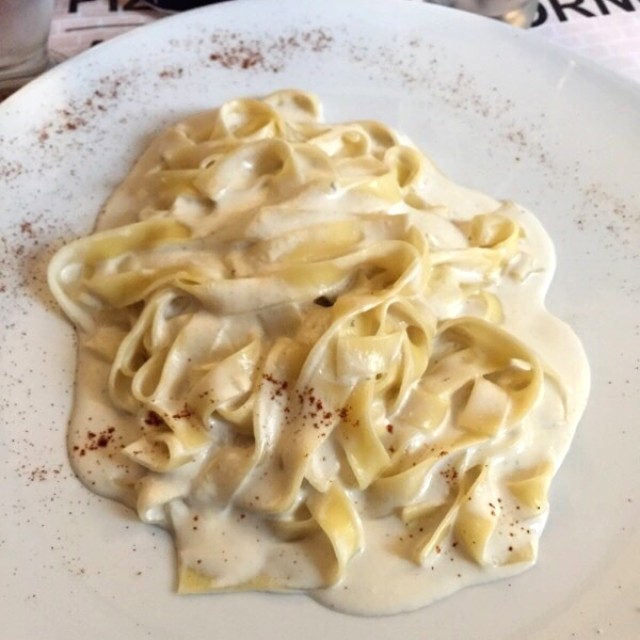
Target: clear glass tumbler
<point x="24" y="32"/>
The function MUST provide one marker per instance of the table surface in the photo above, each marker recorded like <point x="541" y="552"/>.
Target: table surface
<point x="607" y="31"/>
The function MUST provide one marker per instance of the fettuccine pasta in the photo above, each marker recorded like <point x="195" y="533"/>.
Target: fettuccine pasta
<point x="302" y="351"/>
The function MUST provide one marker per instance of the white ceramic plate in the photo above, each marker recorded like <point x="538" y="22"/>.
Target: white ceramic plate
<point x="499" y="111"/>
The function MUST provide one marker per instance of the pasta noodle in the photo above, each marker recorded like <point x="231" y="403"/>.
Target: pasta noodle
<point x="299" y="334"/>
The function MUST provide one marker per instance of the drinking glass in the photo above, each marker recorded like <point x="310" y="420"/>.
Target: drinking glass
<point x="24" y="32"/>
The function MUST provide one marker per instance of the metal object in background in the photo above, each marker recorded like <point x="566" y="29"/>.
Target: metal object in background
<point x="180" y="5"/>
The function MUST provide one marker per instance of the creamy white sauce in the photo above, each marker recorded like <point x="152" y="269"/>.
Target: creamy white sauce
<point x="231" y="540"/>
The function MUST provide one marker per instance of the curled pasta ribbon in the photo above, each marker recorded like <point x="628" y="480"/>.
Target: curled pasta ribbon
<point x="410" y="473"/>
<point x="363" y="447"/>
<point x="469" y="518"/>
<point x="160" y="452"/>
<point x="530" y="487"/>
<point x="78" y="263"/>
<point x="506" y="377"/>
<point x="335" y="514"/>
<point x="226" y="388"/>
<point x="435" y="521"/>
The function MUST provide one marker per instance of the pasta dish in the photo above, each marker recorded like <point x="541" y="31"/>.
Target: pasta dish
<point x="318" y="362"/>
